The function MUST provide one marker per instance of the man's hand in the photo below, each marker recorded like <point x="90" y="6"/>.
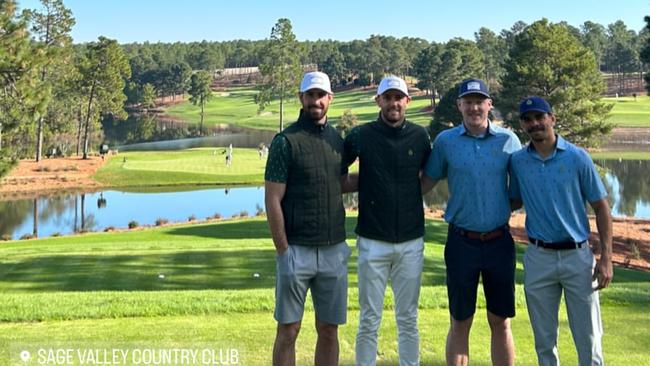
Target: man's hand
<point x="603" y="273"/>
<point x="281" y="250"/>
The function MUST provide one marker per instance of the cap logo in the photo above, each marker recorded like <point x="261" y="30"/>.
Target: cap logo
<point x="317" y="80"/>
<point x="393" y="83"/>
<point x="473" y="85"/>
<point x="529" y="102"/>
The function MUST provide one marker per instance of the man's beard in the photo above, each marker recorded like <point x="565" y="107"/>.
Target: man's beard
<point x="316" y="113"/>
<point x="392" y="120"/>
<point x="534" y="137"/>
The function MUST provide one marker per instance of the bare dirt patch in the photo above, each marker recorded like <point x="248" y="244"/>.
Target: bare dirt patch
<point x="631" y="239"/>
<point x="30" y="179"/>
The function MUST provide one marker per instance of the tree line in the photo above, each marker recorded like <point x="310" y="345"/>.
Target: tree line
<point x="54" y="94"/>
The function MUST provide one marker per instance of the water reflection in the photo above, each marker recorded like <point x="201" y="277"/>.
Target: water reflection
<point x="627" y="182"/>
<point x="65" y="214"/>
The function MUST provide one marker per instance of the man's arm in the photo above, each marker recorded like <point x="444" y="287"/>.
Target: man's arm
<point x="273" y="194"/>
<point x="426" y="183"/>
<point x="603" y="271"/>
<point x="349" y="182"/>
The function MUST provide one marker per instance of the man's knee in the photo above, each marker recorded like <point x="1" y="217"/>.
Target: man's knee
<point x="461" y="326"/>
<point x="288" y="333"/>
<point x="327" y="331"/>
<point x="498" y="324"/>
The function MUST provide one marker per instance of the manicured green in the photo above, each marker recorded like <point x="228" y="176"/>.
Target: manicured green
<point x="184" y="169"/>
<point x="236" y="106"/>
<point x="624" y="155"/>
<point x="628" y="112"/>
<point x="106" y="288"/>
<point x="203" y="166"/>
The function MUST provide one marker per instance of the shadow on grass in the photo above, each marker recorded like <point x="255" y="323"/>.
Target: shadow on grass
<point x="244" y="229"/>
<point x="183" y="270"/>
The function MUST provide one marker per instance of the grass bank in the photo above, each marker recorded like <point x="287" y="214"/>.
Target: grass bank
<point x="236" y="106"/>
<point x="630" y="112"/>
<point x="213" y="283"/>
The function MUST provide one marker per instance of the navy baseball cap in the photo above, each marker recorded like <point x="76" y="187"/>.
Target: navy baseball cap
<point x="534" y="103"/>
<point x="473" y="86"/>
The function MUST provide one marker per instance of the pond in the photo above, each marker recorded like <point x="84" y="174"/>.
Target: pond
<point x="627" y="181"/>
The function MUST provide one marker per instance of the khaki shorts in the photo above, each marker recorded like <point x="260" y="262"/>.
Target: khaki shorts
<point x="324" y="270"/>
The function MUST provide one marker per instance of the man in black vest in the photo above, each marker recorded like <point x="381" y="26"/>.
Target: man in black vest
<point x="307" y="220"/>
<point x="390" y="226"/>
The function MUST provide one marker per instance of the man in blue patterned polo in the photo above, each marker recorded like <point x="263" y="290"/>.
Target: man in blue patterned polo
<point x="474" y="157"/>
<point x="555" y="180"/>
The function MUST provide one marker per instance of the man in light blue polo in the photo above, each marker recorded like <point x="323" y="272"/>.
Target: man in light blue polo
<point x="474" y="158"/>
<point x="555" y="180"/>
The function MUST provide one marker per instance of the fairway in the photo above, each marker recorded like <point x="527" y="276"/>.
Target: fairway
<point x="187" y="285"/>
<point x="236" y="106"/>
<point x="202" y="166"/>
<point x="628" y="112"/>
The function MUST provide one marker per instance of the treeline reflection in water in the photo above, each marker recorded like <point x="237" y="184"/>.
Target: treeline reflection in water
<point x="627" y="181"/>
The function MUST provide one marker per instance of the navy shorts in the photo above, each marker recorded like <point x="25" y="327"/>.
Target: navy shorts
<point x="468" y="259"/>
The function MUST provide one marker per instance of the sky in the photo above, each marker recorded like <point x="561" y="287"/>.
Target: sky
<point x="130" y="21"/>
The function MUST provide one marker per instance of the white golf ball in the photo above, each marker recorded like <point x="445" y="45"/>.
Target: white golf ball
<point x="161" y="276"/>
<point x="256" y="275"/>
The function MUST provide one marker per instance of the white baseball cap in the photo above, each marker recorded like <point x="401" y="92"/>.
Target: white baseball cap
<point x="392" y="82"/>
<point x="316" y="80"/>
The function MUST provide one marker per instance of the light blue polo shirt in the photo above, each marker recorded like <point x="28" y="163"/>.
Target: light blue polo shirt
<point x="555" y="191"/>
<point x="476" y="169"/>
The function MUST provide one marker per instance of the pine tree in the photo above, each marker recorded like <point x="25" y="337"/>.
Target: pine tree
<point x="280" y="67"/>
<point x="548" y="61"/>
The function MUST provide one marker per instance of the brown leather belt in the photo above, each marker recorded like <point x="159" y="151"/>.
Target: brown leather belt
<point x="558" y="245"/>
<point x="486" y="236"/>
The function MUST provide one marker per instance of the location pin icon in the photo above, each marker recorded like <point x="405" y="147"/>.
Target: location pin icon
<point x="25" y="356"/>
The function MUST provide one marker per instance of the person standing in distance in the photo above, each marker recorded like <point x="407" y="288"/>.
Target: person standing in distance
<point x="304" y="206"/>
<point x="474" y="157"/>
<point x="555" y="179"/>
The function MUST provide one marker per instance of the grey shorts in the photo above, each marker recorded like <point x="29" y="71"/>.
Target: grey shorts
<point x="322" y="269"/>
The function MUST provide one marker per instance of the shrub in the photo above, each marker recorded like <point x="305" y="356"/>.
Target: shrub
<point x="192" y="217"/>
<point x="27" y="237"/>
<point x="109" y="228"/>
<point x="56" y="234"/>
<point x="216" y="216"/>
<point x="5" y="237"/>
<point x="133" y="224"/>
<point x="243" y="214"/>
<point x="161" y="222"/>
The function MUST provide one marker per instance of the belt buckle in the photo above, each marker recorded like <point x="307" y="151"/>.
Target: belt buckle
<point x="482" y="236"/>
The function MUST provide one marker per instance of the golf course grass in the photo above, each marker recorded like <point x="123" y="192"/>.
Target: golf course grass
<point x="202" y="166"/>
<point x="236" y="106"/>
<point x="184" y="168"/>
<point x="630" y="112"/>
<point x="212" y="283"/>
<point x="206" y="166"/>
